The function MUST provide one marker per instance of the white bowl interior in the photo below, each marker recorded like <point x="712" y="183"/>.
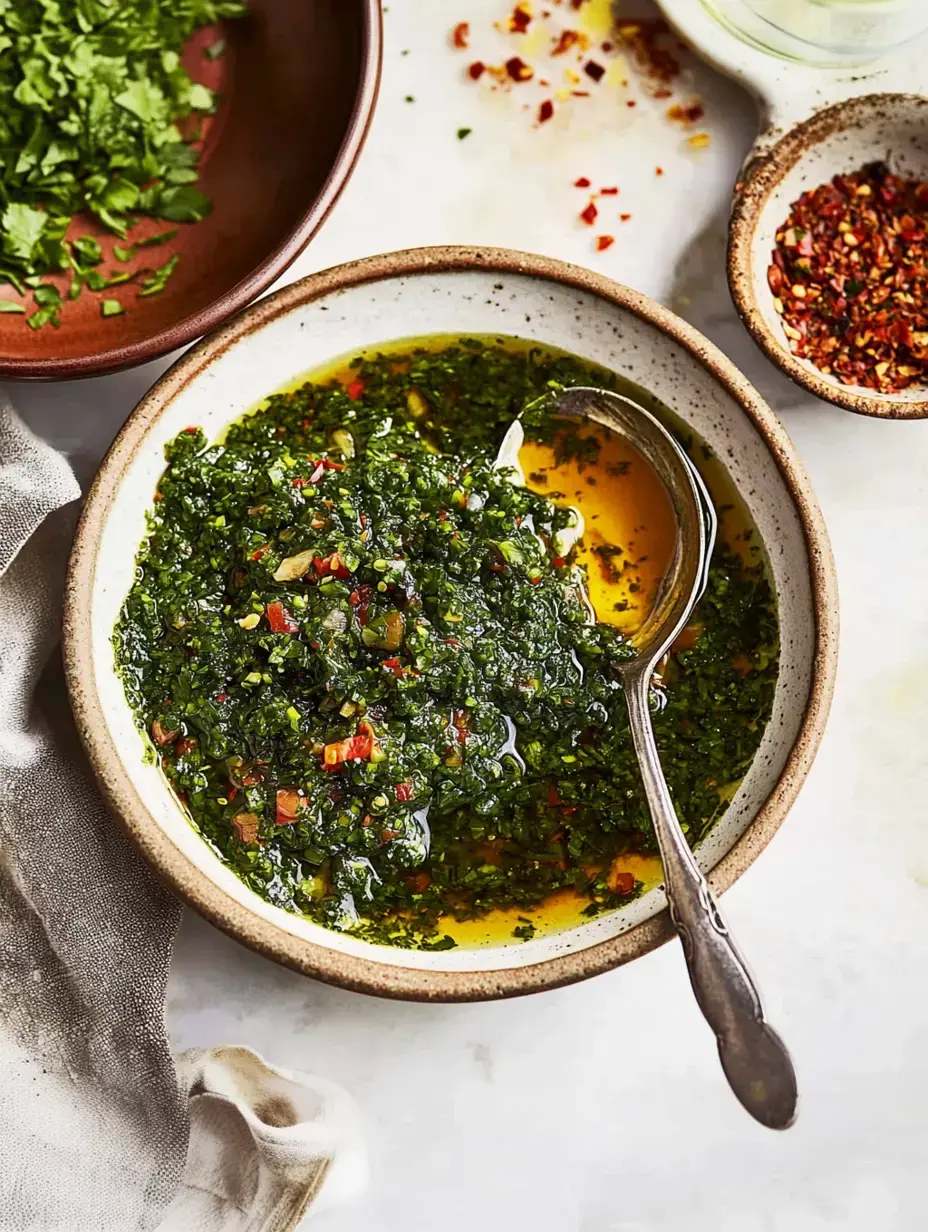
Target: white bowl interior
<point x="888" y="128"/>
<point x="461" y="302"/>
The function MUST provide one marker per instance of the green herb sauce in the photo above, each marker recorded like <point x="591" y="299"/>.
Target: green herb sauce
<point x="375" y="685"/>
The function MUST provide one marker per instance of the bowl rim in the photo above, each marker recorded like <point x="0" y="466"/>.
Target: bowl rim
<point x="187" y="330"/>
<point x="367" y="974"/>
<point x="759" y="180"/>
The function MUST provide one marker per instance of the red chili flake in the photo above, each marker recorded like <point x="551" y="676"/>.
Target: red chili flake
<point x="477" y="69"/>
<point x="520" y="19"/>
<point x="192" y="428"/>
<point x="222" y="697"/>
<point x="259" y="552"/>
<point x="604" y="242"/>
<point x="608" y="192"/>
<point x="594" y="70"/>
<point x="299" y="483"/>
<point x="622" y="883"/>
<point x="607" y="47"/>
<point x="566" y="40"/>
<point x="590" y="214"/>
<point x="658" y="170"/>
<point x="460" y="36"/>
<point x="624" y="217"/>
<point x="535" y="581"/>
<point x="686" y="113"/>
<point x="647" y="39"/>
<point x="518" y="70"/>
<point x="583" y="182"/>
<point x="545" y="111"/>
<point x="184" y="746"/>
<point x="558" y="562"/>
<point x="403" y="792"/>
<point x="850" y="279"/>
<point x="355" y="390"/>
<point x="630" y="102"/>
<point x="394" y="666"/>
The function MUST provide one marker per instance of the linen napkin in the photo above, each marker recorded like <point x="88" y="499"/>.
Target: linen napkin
<point x="100" y="1129"/>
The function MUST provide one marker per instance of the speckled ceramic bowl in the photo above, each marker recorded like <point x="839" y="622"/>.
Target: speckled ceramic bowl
<point x="454" y="291"/>
<point x="816" y="120"/>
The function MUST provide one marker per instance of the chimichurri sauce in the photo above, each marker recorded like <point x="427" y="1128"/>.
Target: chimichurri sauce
<point x="367" y="663"/>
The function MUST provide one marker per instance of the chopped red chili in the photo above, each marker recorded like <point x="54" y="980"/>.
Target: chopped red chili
<point x="545" y="111"/>
<point x="608" y="192"/>
<point x="590" y="214"/>
<point x="355" y="390"/>
<point x="280" y="620"/>
<point x="583" y="182"/>
<point x="624" y="217"/>
<point x="404" y="792"/>
<point x="686" y="113"/>
<point x="460" y="36"/>
<point x="566" y="40"/>
<point x="477" y="69"/>
<point x="604" y="242"/>
<point x="520" y="19"/>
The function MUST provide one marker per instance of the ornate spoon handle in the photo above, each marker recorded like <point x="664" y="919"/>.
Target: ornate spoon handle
<point x="754" y="1058"/>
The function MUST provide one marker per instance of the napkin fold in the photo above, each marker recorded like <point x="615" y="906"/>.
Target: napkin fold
<point x="100" y="1129"/>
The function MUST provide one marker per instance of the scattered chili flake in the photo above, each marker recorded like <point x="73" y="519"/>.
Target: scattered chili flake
<point x="604" y="242"/>
<point x="477" y="69"/>
<point x="658" y="170"/>
<point x="850" y="277"/>
<point x="461" y="34"/>
<point x="686" y="113"/>
<point x="594" y="70"/>
<point x="590" y="214"/>
<point x="520" y="19"/>
<point x="545" y="111"/>
<point x="583" y="182"/>
<point x="608" y="192"/>
<point x="518" y="70"/>
<point x="699" y="141"/>
<point x="566" y="40"/>
<point x="631" y="102"/>
<point x="624" y="217"/>
<point x="355" y="390"/>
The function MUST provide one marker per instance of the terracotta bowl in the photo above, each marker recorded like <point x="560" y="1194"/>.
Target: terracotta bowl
<point x="451" y="291"/>
<point x="298" y="80"/>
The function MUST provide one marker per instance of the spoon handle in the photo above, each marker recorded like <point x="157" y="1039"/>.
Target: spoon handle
<point x="754" y="1058"/>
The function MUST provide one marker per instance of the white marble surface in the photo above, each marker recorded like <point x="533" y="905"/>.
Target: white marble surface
<point x="601" y="1108"/>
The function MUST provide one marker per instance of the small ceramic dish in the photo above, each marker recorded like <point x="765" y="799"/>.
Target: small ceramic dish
<point x="817" y="122"/>
<point x="453" y="291"/>
<point x="298" y="83"/>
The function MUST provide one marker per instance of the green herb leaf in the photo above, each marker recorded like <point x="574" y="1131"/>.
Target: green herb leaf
<point x="111" y="308"/>
<point x="11" y="305"/>
<point x="157" y="281"/>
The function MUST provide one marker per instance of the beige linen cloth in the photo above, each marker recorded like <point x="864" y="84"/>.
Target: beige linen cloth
<point x="101" y="1129"/>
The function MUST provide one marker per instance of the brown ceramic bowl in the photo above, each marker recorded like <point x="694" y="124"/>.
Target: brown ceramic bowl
<point x="299" y="81"/>
<point x="837" y="139"/>
<point x="450" y="291"/>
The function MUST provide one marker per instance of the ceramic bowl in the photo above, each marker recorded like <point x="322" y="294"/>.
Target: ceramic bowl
<point x="816" y="120"/>
<point x="298" y="83"/>
<point x="451" y="291"/>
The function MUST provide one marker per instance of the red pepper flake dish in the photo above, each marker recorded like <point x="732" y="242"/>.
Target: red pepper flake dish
<point x="850" y="279"/>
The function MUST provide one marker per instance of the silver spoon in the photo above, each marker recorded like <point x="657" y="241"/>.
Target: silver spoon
<point x="754" y="1058"/>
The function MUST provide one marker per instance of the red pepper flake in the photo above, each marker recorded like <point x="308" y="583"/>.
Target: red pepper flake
<point x="608" y="192"/>
<point x="583" y="182"/>
<point x="394" y="666"/>
<point x="850" y="278"/>
<point x="403" y="792"/>
<point x="545" y="111"/>
<point x="355" y="390"/>
<point x="520" y="19"/>
<point x="558" y="562"/>
<point x="476" y="70"/>
<point x="567" y="40"/>
<point x="630" y="102"/>
<point x="686" y="113"/>
<point x="192" y="428"/>
<point x="624" y="217"/>
<point x="259" y="552"/>
<point x="460" y="35"/>
<point x="222" y="697"/>
<point x="590" y="214"/>
<point x="650" y="41"/>
<point x="658" y="170"/>
<point x="604" y="242"/>
<point x="518" y="70"/>
<point x="594" y="70"/>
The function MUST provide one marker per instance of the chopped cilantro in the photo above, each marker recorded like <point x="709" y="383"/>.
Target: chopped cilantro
<point x="157" y="281"/>
<point x="111" y="308"/>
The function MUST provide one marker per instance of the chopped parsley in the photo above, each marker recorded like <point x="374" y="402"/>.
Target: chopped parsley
<point x="374" y="685"/>
<point x="98" y="116"/>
